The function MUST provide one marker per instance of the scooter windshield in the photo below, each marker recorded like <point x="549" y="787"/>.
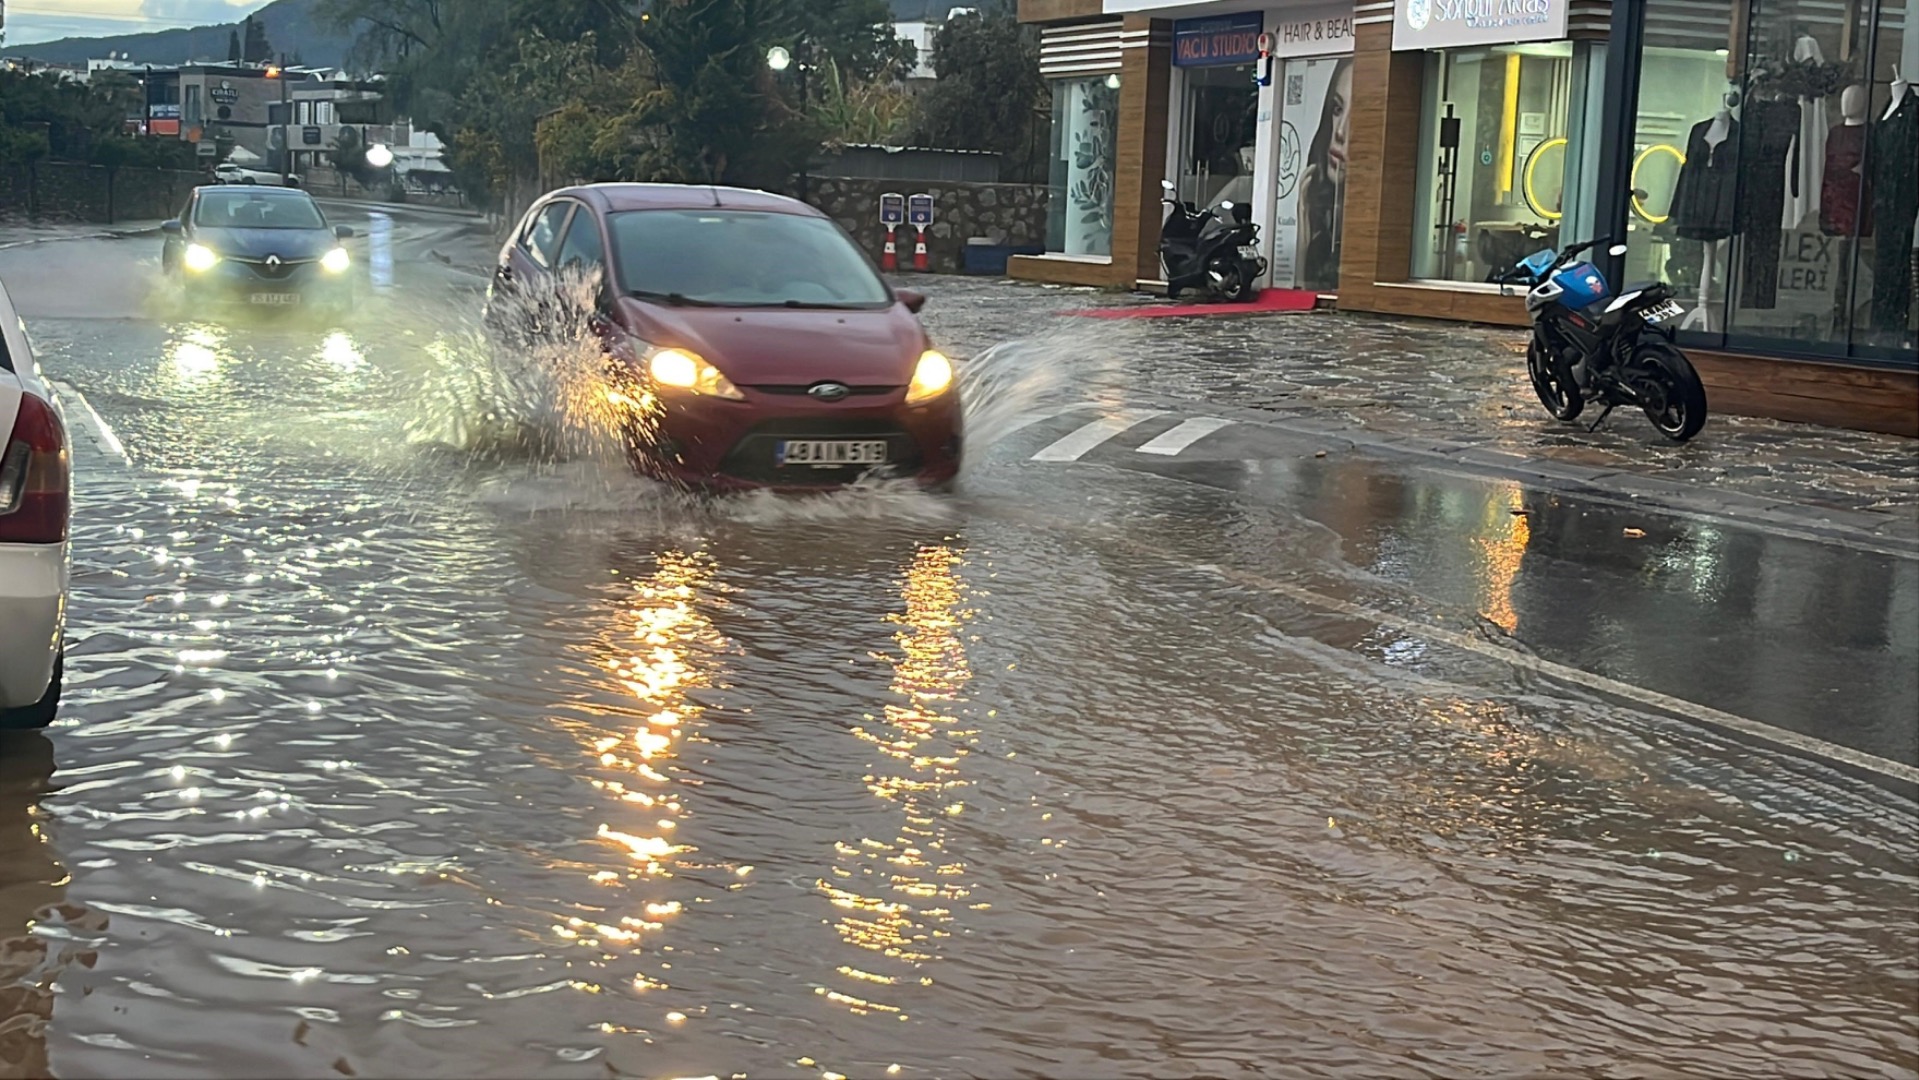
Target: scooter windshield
<point x="1539" y="261"/>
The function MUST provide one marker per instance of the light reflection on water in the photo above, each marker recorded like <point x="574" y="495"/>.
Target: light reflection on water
<point x="896" y="895"/>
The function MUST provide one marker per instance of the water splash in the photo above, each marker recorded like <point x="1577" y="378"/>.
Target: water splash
<point x="1054" y="369"/>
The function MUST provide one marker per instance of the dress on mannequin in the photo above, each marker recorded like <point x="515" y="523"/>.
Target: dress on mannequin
<point x="1703" y="199"/>
<point x="1894" y="161"/>
<point x="1845" y="195"/>
<point x="1806" y="166"/>
<point x="1771" y="127"/>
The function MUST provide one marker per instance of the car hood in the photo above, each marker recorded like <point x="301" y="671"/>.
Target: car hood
<point x="762" y="346"/>
<point x="259" y="243"/>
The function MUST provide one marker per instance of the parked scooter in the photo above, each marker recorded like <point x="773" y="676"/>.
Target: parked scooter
<point x="1585" y="348"/>
<point x="1201" y="250"/>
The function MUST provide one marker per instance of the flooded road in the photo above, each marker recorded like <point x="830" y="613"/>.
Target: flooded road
<point x="393" y="748"/>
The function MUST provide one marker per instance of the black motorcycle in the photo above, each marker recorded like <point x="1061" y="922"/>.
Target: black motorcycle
<point x="1200" y="250"/>
<point x="1590" y="346"/>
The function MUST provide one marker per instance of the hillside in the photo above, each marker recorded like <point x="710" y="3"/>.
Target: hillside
<point x="289" y="24"/>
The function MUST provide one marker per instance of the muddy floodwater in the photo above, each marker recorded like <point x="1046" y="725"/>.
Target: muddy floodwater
<point x="401" y="742"/>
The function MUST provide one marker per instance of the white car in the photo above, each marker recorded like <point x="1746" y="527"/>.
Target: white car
<point x="229" y="173"/>
<point x="36" y="501"/>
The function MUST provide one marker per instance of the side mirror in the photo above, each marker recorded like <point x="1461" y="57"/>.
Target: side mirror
<point x="1166" y="185"/>
<point x="1616" y="249"/>
<point x="174" y="227"/>
<point x="344" y="232"/>
<point x="912" y="298"/>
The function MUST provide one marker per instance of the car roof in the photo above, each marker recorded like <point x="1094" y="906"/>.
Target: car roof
<point x="612" y="198"/>
<point x="267" y="190"/>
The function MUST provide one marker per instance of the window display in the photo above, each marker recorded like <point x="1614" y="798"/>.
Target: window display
<point x="1315" y="106"/>
<point x="1774" y="174"/>
<point x="1495" y="153"/>
<point x="1079" y="211"/>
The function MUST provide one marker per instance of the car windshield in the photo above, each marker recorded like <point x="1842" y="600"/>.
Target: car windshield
<point x="252" y="210"/>
<point x="742" y="258"/>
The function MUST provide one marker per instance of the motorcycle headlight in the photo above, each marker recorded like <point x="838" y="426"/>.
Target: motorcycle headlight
<point x="199" y="258"/>
<point x="336" y="261"/>
<point x="682" y="370"/>
<point x="932" y="377"/>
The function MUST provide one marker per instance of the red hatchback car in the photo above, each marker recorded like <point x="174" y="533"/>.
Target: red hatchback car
<point x="755" y="344"/>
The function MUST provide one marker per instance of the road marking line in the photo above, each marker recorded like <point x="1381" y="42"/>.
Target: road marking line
<point x="1075" y="445"/>
<point x="1185" y="435"/>
<point x="1022" y="421"/>
<point x="102" y="434"/>
<point x="1703" y="714"/>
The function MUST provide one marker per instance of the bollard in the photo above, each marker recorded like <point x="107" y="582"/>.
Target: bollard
<point x="919" y="252"/>
<point x="890" y="259"/>
<point x="379" y="234"/>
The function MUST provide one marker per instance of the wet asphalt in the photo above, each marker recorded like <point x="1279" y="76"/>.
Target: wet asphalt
<point x="409" y="735"/>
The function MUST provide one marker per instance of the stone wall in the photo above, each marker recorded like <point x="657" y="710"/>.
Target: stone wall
<point x="1009" y="214"/>
<point x="66" y="191"/>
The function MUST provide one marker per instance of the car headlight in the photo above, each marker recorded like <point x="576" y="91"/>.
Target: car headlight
<point x="682" y="370"/>
<point x="200" y="258"/>
<point x="932" y="377"/>
<point x="336" y="261"/>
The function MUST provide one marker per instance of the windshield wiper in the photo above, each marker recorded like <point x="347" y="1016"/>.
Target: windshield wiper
<point x="821" y="305"/>
<point x="673" y="299"/>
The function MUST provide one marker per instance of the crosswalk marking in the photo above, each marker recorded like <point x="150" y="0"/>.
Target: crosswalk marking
<point x="1022" y="421"/>
<point x="1186" y="434"/>
<point x="1076" y="444"/>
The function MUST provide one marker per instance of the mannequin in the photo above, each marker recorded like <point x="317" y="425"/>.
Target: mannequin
<point x="1772" y="125"/>
<point x="1845" y="194"/>
<point x="1894" y="147"/>
<point x="1703" y="204"/>
<point x="1806" y="163"/>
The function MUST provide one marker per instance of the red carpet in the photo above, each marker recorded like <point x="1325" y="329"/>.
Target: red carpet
<point x="1267" y="302"/>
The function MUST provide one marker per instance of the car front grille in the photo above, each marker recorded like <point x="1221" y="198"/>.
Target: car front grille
<point x="800" y="389"/>
<point x="752" y="458"/>
<point x="284" y="270"/>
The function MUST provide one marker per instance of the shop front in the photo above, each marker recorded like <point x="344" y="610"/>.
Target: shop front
<point x="1759" y="156"/>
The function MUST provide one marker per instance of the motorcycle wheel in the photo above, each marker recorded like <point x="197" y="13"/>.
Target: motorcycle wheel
<point x="1233" y="287"/>
<point x="1553" y="381"/>
<point x="1669" y="391"/>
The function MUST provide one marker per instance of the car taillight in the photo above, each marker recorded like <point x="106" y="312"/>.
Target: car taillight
<point x="35" y="477"/>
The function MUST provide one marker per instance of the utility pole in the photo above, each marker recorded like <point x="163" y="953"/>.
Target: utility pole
<point x="286" y="120"/>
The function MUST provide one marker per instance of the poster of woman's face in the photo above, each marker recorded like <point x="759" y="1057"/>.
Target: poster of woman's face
<point x="1315" y="114"/>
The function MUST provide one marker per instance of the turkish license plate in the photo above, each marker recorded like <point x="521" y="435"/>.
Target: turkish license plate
<point x="1667" y="309"/>
<point x="823" y="453"/>
<point x="275" y="299"/>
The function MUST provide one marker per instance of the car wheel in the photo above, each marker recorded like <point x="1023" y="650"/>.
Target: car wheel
<point x="40" y="713"/>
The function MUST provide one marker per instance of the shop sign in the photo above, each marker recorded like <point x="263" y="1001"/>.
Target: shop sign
<point x="1315" y="31"/>
<point x="1446" y="24"/>
<point x="224" y="93"/>
<point x="1218" y="41"/>
<point x="163" y="112"/>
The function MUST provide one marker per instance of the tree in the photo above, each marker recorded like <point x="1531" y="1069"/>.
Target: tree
<point x="256" y="50"/>
<point x="234" y="54"/>
<point x="988" y="93"/>
<point x="856" y="37"/>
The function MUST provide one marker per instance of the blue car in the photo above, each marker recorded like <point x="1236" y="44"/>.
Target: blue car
<point x="260" y="247"/>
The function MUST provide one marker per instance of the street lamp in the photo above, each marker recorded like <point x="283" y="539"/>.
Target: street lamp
<point x="379" y="156"/>
<point x="778" y="58"/>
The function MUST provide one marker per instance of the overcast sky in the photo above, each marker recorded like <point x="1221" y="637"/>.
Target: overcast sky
<point x="43" y="20"/>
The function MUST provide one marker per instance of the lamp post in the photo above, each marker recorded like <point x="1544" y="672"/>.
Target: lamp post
<point x="779" y="59"/>
<point x="286" y="129"/>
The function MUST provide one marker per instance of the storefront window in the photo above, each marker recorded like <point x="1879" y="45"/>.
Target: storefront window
<point x="1315" y="102"/>
<point x="1496" y="158"/>
<point x="1079" y="218"/>
<point x="1774" y="173"/>
<point x="1217" y="133"/>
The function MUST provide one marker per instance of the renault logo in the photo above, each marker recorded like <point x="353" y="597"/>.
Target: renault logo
<point x="273" y="262"/>
<point x="830" y="391"/>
